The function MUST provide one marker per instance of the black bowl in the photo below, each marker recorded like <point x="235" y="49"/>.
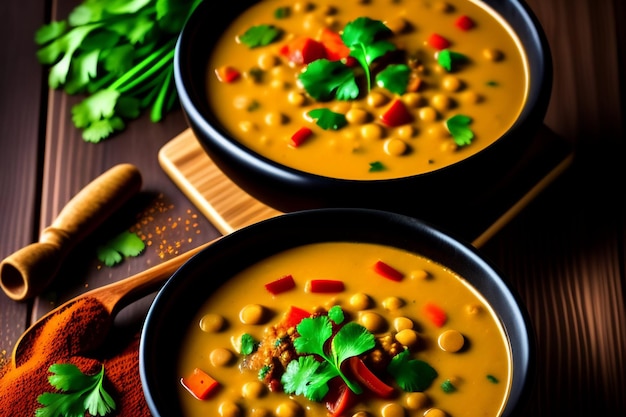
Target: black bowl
<point x="432" y="196"/>
<point x="188" y="289"/>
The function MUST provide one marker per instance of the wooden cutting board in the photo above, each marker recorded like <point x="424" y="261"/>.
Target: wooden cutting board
<point x="229" y="208"/>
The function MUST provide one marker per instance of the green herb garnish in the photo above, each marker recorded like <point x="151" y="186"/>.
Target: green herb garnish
<point x="324" y="79"/>
<point x="492" y="379"/>
<point x="120" y="54"/>
<point x="458" y="126"/>
<point x="247" y="344"/>
<point x="411" y="374"/>
<point x="447" y="386"/>
<point x="376" y="166"/>
<point x="394" y="78"/>
<point x="309" y="376"/>
<point x="123" y="245"/>
<point x="260" y="35"/>
<point x="80" y="393"/>
<point x="327" y="119"/>
<point x="448" y="59"/>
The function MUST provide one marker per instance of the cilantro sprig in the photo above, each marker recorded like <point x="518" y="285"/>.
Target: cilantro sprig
<point x="324" y="79"/>
<point x="79" y="393"/>
<point x="119" y="54"/>
<point x="458" y="126"/>
<point x="123" y="245"/>
<point x="309" y="376"/>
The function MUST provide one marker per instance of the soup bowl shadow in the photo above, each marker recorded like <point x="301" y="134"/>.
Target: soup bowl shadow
<point x="187" y="290"/>
<point x="432" y="196"/>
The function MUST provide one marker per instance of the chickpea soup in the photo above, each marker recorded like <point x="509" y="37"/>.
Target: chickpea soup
<point x="345" y="329"/>
<point x="367" y="89"/>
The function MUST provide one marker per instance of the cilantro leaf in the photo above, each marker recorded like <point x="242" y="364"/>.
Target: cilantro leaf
<point x="323" y="79"/>
<point x="411" y="374"/>
<point x="80" y="393"/>
<point x="336" y="314"/>
<point x="248" y="344"/>
<point x="327" y="119"/>
<point x="448" y="59"/>
<point x="314" y="331"/>
<point x="376" y="166"/>
<point x="123" y="245"/>
<point x="309" y="377"/>
<point x="351" y="340"/>
<point x="260" y="35"/>
<point x="394" y="78"/>
<point x="458" y="126"/>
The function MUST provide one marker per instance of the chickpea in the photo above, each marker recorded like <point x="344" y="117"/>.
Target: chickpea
<point x="416" y="400"/>
<point x="289" y="409"/>
<point x="395" y="147"/>
<point x="252" y="314"/>
<point x="221" y="357"/>
<point x="493" y="54"/>
<point x="253" y="389"/>
<point x="279" y="84"/>
<point x="413" y="99"/>
<point x="470" y="97"/>
<point x="247" y="126"/>
<point x="392" y="410"/>
<point x="360" y="301"/>
<point x="427" y="114"/>
<point x="302" y="6"/>
<point x="267" y="61"/>
<point x="393" y="303"/>
<point x="230" y="409"/>
<point x="408" y="338"/>
<point x="435" y="412"/>
<point x="242" y="102"/>
<point x="419" y="274"/>
<point x="473" y="309"/>
<point x="451" y="341"/>
<point x="406" y="132"/>
<point x="451" y="83"/>
<point x="275" y="119"/>
<point x="361" y="414"/>
<point x="260" y="412"/>
<point x="357" y="116"/>
<point x="402" y="323"/>
<point x="373" y="322"/>
<point x="296" y="98"/>
<point x="212" y="323"/>
<point x="341" y="107"/>
<point x="438" y="131"/>
<point x="449" y="146"/>
<point x="397" y="25"/>
<point x="442" y="6"/>
<point x="441" y="102"/>
<point x="372" y="131"/>
<point x="376" y="99"/>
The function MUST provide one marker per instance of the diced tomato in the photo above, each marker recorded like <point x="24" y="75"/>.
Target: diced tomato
<point x="295" y="315"/>
<point x="199" y="383"/>
<point x="300" y="136"/>
<point x="464" y="23"/>
<point x="368" y="379"/>
<point x="387" y="271"/>
<point x="396" y="115"/>
<point x="325" y="285"/>
<point x="280" y="285"/>
<point x="339" y="398"/>
<point x="227" y="74"/>
<point x="435" y="314"/>
<point x="303" y="50"/>
<point x="335" y="48"/>
<point x="438" y="42"/>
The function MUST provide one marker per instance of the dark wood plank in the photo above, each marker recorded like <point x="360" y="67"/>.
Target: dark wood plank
<point x="20" y="110"/>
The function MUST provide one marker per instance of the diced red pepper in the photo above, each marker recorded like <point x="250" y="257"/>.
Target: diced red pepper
<point x="280" y="285"/>
<point x="295" y="315"/>
<point x="368" y="379"/>
<point x="438" y="42"/>
<point x="388" y="271"/>
<point x="199" y="383"/>
<point x="435" y="314"/>
<point x="464" y="23"/>
<point x="339" y="398"/>
<point x="396" y="115"/>
<point x="326" y="285"/>
<point x="303" y="50"/>
<point x="335" y="48"/>
<point x="227" y="74"/>
<point x="300" y="136"/>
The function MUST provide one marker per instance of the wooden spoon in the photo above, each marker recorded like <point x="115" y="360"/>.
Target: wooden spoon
<point x="113" y="297"/>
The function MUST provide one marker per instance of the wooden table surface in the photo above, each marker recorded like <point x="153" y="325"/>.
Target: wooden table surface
<point x="565" y="252"/>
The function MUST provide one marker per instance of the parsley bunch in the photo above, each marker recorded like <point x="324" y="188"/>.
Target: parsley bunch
<point x="119" y="54"/>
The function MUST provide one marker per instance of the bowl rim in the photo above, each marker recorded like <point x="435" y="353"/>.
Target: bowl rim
<point x="307" y="226"/>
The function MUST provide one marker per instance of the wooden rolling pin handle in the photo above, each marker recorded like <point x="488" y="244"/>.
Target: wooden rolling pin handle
<point x="27" y="272"/>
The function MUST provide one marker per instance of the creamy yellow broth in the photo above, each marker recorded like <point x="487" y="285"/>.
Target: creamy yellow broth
<point x="479" y="368"/>
<point x="267" y="104"/>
